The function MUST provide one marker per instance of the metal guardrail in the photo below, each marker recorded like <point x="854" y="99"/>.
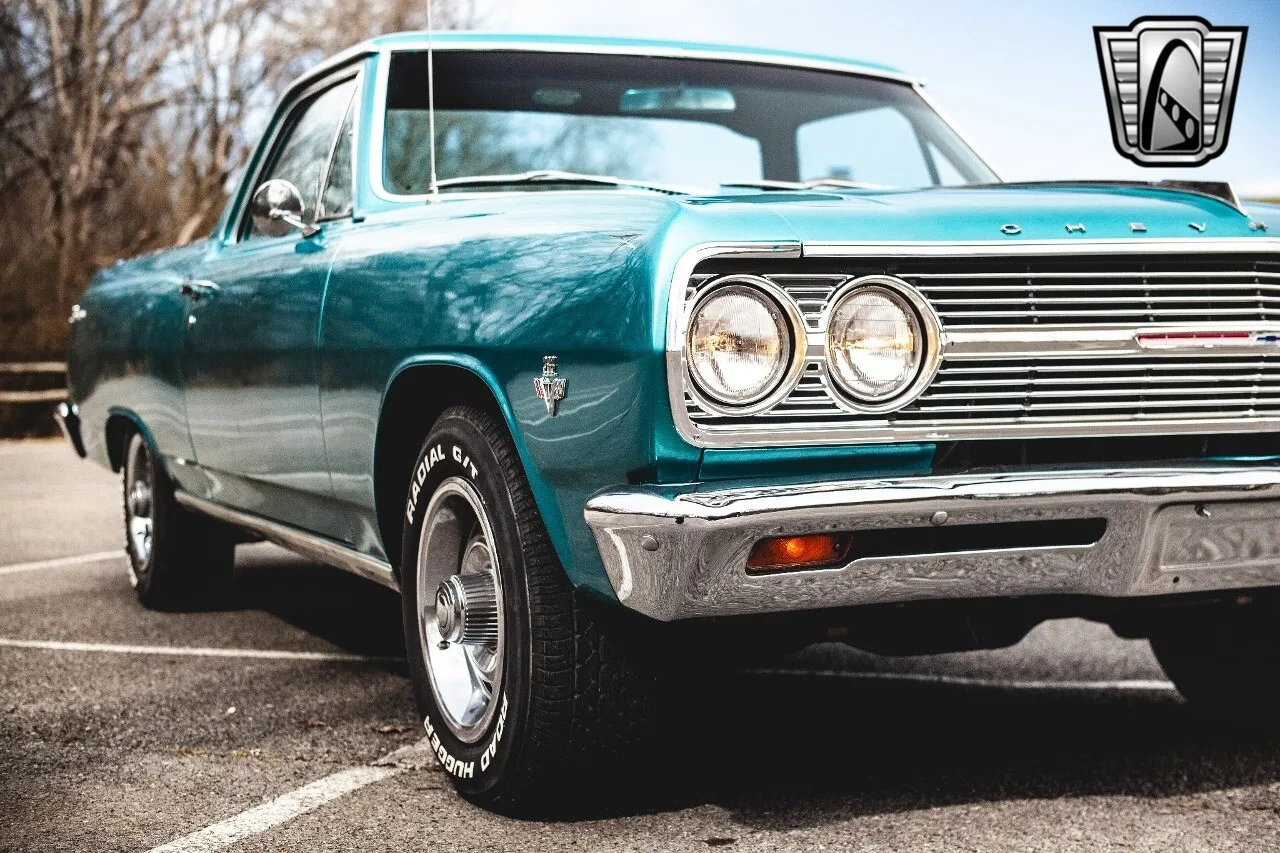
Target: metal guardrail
<point x="52" y="395"/>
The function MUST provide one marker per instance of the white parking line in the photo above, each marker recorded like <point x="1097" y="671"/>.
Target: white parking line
<point x="276" y="812"/>
<point x="192" y="651"/>
<point x="414" y="756"/>
<point x="61" y="562"/>
<point x="1136" y="684"/>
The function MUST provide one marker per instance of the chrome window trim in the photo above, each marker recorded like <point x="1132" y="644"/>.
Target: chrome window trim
<point x="266" y="148"/>
<point x="799" y="345"/>
<point x="382" y="70"/>
<point x="353" y="104"/>
<point x="958" y="343"/>
<point x="955" y="128"/>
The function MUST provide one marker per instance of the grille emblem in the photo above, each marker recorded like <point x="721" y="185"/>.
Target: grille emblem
<point x="549" y="387"/>
<point x="1171" y="88"/>
<point x="1205" y="339"/>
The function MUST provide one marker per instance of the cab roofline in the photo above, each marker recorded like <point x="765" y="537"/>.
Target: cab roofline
<point x="466" y="40"/>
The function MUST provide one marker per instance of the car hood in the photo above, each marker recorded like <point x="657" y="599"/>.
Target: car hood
<point x="983" y="214"/>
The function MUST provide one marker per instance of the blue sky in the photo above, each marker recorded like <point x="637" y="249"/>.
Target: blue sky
<point x="1019" y="78"/>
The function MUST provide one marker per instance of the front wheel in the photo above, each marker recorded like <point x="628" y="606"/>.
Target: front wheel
<point x="177" y="560"/>
<point x="524" y="691"/>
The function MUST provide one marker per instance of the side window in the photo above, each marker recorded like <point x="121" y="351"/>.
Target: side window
<point x="875" y="146"/>
<point x="337" y="199"/>
<point x="302" y="155"/>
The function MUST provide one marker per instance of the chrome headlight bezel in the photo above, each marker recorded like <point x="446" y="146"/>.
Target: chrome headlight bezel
<point x="926" y="324"/>
<point x="792" y="322"/>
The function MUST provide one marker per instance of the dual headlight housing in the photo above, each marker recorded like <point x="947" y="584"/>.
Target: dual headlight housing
<point x="747" y="344"/>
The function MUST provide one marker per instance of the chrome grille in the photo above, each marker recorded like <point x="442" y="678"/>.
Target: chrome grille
<point x="1074" y="298"/>
<point x="1148" y="391"/>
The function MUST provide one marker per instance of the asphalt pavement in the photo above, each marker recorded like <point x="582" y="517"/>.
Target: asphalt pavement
<point x="260" y="725"/>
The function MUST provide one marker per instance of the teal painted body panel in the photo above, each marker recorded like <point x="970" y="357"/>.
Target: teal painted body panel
<point x="283" y="377"/>
<point x="251" y="375"/>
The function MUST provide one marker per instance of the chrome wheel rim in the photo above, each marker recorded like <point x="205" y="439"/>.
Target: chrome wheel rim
<point x="139" y="507"/>
<point x="460" y="608"/>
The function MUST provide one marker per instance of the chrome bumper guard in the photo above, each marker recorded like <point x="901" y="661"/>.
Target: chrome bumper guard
<point x="683" y="554"/>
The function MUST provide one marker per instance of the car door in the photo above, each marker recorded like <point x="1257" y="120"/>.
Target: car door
<point x="250" y="360"/>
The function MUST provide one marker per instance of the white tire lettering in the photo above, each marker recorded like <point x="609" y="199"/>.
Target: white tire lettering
<point x="456" y="766"/>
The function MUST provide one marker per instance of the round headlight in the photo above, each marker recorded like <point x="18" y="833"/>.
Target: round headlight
<point x="739" y="345"/>
<point x="875" y="343"/>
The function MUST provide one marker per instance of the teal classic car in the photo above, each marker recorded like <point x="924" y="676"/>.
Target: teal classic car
<point x="617" y="356"/>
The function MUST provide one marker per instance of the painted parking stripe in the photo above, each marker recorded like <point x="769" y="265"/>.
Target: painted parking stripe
<point x="192" y="651"/>
<point x="61" y="562"/>
<point x="283" y="808"/>
<point x="1140" y="685"/>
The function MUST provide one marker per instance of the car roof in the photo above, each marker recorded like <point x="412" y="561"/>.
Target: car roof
<point x="469" y="40"/>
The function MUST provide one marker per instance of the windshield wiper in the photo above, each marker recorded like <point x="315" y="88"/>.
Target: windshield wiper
<point x="816" y="183"/>
<point x="548" y="176"/>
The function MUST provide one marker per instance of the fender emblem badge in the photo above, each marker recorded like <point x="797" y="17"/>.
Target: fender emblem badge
<point x="1010" y="229"/>
<point x="1071" y="229"/>
<point x="549" y="387"/>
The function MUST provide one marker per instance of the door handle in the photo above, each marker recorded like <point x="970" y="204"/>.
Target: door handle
<point x="195" y="288"/>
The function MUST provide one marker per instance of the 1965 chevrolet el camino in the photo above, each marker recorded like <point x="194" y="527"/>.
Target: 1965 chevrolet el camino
<point x="651" y="341"/>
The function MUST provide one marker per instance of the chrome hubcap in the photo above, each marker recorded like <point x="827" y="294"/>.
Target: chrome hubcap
<point x="139" y="506"/>
<point x="460" y="617"/>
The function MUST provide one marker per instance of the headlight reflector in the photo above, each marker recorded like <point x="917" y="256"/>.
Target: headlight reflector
<point x="875" y="344"/>
<point x="739" y="345"/>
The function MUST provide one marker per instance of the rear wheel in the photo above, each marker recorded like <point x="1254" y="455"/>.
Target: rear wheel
<point x="527" y="692"/>
<point x="177" y="559"/>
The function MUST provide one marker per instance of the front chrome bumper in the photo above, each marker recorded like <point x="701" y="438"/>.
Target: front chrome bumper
<point x="683" y="553"/>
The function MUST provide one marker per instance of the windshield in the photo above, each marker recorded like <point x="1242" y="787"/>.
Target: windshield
<point x="689" y="123"/>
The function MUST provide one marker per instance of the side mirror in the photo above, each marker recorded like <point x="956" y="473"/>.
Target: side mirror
<point x="277" y="209"/>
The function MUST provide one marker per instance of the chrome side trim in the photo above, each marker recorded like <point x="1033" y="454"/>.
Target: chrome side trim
<point x="682" y="553"/>
<point x="307" y="544"/>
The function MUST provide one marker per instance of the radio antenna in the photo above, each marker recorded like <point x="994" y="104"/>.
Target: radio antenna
<point x="433" y="188"/>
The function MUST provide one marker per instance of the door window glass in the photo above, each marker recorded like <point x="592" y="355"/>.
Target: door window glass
<point x="302" y="156"/>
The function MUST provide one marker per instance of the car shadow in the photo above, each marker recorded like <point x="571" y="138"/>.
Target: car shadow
<point x="799" y="751"/>
<point x="354" y="614"/>
<point x="793" y="753"/>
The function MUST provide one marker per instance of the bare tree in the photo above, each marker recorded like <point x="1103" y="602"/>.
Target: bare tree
<point x="123" y="121"/>
<point x="90" y="79"/>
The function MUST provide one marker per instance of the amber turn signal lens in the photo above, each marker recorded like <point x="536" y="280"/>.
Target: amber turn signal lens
<point x="780" y="553"/>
